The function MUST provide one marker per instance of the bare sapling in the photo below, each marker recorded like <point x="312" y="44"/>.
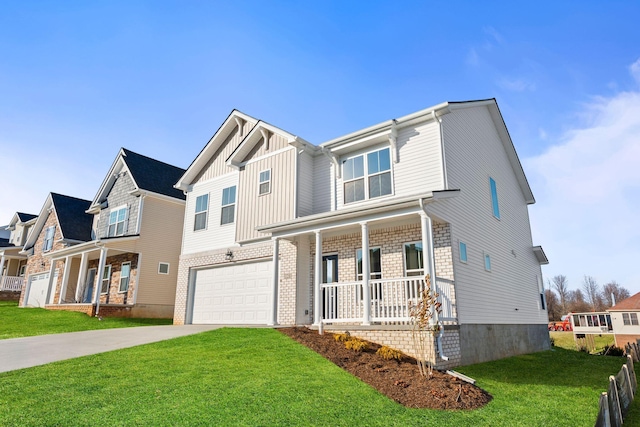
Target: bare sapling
<point x="424" y="314"/>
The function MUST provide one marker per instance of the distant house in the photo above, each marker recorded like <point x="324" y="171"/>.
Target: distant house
<point x="13" y="264"/>
<point x="625" y="317"/>
<point x="341" y="235"/>
<point x="124" y="260"/>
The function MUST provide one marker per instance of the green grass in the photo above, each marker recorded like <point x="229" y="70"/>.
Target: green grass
<point x="18" y="322"/>
<point x="565" y="340"/>
<point x="261" y="377"/>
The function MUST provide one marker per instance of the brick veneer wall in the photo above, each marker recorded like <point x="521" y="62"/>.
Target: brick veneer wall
<point x="622" y="340"/>
<point x="114" y="296"/>
<point x="38" y="263"/>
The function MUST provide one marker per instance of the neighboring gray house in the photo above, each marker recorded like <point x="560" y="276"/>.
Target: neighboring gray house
<point x="13" y="264"/>
<point x="278" y="230"/>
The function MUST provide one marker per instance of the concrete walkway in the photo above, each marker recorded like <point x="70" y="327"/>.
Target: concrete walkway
<point x="18" y="353"/>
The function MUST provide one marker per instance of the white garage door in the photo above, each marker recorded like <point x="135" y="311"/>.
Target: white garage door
<point x="38" y="285"/>
<point x="235" y="294"/>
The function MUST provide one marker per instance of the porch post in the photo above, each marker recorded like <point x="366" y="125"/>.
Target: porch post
<point x="52" y="270"/>
<point x="428" y="256"/>
<point x="366" y="294"/>
<point x="1" y="272"/>
<point x="276" y="278"/>
<point x="82" y="276"/>
<point x="317" y="278"/>
<point x="100" y="273"/>
<point x="65" y="278"/>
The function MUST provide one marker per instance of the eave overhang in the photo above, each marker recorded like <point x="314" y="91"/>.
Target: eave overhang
<point x="540" y="255"/>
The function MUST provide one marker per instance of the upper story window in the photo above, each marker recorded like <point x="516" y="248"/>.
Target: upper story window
<point x="265" y="182"/>
<point x="228" y="205"/>
<point x="487" y="262"/>
<point x="367" y="176"/>
<point x="494" y="198"/>
<point x="202" y="207"/>
<point x="117" y="222"/>
<point x="48" y="238"/>
<point x="413" y="259"/>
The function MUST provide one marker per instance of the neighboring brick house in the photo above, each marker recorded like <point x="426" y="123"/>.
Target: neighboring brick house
<point x="13" y="264"/>
<point x="280" y="231"/>
<point x="62" y="223"/>
<point x="127" y="266"/>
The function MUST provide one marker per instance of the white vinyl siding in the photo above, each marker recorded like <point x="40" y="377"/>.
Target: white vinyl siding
<point x="215" y="236"/>
<point x="305" y="184"/>
<point x="474" y="151"/>
<point x="324" y="187"/>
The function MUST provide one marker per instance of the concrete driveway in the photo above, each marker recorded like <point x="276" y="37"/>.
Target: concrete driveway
<point x="18" y="353"/>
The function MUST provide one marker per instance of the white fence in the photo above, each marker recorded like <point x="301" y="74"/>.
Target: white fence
<point x="390" y="300"/>
<point x="11" y="283"/>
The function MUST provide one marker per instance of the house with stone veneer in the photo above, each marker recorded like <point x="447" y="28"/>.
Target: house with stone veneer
<point x="127" y="265"/>
<point x="340" y="235"/>
<point x="13" y="264"/>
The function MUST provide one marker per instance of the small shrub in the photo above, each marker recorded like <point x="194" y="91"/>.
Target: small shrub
<point x="356" y="344"/>
<point x="612" y="350"/>
<point x="342" y="337"/>
<point x="389" y="353"/>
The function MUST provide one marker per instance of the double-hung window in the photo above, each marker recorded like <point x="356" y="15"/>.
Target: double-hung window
<point x="125" y="273"/>
<point x="48" y="238"/>
<point x="117" y="222"/>
<point x="202" y="207"/>
<point x="413" y="259"/>
<point x="367" y="176"/>
<point x="228" y="205"/>
<point x="265" y="182"/>
<point x="106" y="278"/>
<point x="630" y="319"/>
<point x="375" y="271"/>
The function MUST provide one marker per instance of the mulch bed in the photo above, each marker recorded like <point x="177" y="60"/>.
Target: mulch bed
<point x="399" y="380"/>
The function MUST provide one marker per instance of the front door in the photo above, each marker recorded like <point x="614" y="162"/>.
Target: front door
<point x="88" y="287"/>
<point x="330" y="295"/>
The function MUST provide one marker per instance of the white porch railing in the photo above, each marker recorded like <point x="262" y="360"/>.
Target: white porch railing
<point x="390" y="300"/>
<point x="11" y="283"/>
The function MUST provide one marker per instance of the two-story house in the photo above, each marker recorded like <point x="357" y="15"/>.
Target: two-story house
<point x="341" y="235"/>
<point x="127" y="266"/>
<point x="13" y="264"/>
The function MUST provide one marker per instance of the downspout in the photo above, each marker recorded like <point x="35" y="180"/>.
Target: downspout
<point x="444" y="163"/>
<point x="435" y="321"/>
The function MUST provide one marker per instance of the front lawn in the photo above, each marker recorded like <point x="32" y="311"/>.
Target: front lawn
<point x="18" y="322"/>
<point x="261" y="377"/>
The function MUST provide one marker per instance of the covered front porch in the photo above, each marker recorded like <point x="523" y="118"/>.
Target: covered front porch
<point x="12" y="269"/>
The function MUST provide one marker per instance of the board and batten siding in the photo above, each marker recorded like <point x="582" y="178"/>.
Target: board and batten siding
<point x="276" y="142"/>
<point x="509" y="293"/>
<point x="214" y="236"/>
<point x="160" y="237"/>
<point x="305" y="184"/>
<point x="217" y="165"/>
<point x="253" y="209"/>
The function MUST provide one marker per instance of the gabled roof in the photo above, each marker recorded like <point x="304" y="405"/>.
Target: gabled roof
<point x="75" y="224"/>
<point x="261" y="130"/>
<point x="388" y="127"/>
<point x="234" y="119"/>
<point x="4" y="243"/>
<point x="25" y="217"/>
<point x="146" y="173"/>
<point x="20" y="218"/>
<point x="632" y="304"/>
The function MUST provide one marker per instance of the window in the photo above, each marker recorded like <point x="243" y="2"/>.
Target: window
<point x="202" y="207"/>
<point x="413" y="259"/>
<point x="494" y="198"/>
<point x="625" y="319"/>
<point x="48" y="238"/>
<point x="106" y="278"/>
<point x="22" y="270"/>
<point x="117" y="222"/>
<point x="375" y="266"/>
<point x="487" y="262"/>
<point x="265" y="182"/>
<point x="228" y="205"/>
<point x="377" y="181"/>
<point x="125" y="273"/>
<point x="463" y="252"/>
<point x="163" y="268"/>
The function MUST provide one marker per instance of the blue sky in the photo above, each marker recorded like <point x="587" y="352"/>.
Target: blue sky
<point x="79" y="80"/>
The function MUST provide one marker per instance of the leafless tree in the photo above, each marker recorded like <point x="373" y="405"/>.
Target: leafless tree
<point x="619" y="293"/>
<point x="576" y="302"/>
<point x="592" y="293"/>
<point x="560" y="284"/>
<point x="553" y="308"/>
